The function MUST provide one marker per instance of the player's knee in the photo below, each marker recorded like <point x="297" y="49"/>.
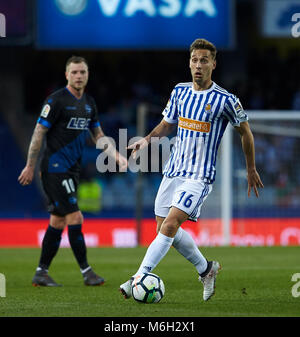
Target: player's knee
<point x="169" y="227"/>
<point x="74" y="218"/>
<point x="57" y="222"/>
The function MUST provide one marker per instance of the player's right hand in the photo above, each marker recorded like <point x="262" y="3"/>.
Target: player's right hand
<point x="139" y="145"/>
<point x="26" y="176"/>
<point x="254" y="182"/>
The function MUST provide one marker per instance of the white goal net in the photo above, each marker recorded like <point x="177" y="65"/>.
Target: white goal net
<point x="274" y="217"/>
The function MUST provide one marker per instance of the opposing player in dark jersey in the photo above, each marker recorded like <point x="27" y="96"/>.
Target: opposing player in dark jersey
<point x="66" y="119"/>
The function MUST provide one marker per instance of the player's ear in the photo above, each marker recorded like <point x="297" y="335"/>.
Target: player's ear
<point x="214" y="64"/>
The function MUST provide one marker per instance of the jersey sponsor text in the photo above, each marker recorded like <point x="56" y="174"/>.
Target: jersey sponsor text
<point x="78" y="123"/>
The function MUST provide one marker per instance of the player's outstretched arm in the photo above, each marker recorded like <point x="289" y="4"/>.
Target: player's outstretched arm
<point x="27" y="174"/>
<point x="254" y="181"/>
<point x="161" y="130"/>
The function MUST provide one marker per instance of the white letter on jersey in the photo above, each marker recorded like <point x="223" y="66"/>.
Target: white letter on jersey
<point x="139" y="5"/>
<point x="171" y="9"/>
<point x="207" y="6"/>
<point x="109" y="7"/>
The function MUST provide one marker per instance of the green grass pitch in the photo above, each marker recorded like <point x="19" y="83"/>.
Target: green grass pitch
<point x="253" y="282"/>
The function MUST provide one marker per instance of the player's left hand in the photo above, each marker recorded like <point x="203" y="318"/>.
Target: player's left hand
<point x="26" y="176"/>
<point x="254" y="182"/>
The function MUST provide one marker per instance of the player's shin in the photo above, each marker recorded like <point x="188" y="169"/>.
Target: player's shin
<point x="50" y="245"/>
<point x="78" y="246"/>
<point x="155" y="253"/>
<point x="186" y="246"/>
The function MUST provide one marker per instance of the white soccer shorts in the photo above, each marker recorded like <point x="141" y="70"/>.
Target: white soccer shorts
<point x="186" y="194"/>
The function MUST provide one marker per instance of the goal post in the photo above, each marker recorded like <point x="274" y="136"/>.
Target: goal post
<point x="226" y="184"/>
<point x="142" y="111"/>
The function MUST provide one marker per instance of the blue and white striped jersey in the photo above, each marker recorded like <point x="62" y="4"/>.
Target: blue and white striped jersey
<point x="202" y="117"/>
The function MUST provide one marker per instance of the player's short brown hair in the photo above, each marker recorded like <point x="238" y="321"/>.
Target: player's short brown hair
<point x="204" y="44"/>
<point x="76" y="59"/>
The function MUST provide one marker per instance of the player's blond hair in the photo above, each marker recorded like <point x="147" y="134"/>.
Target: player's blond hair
<point x="76" y="59"/>
<point x="204" y="44"/>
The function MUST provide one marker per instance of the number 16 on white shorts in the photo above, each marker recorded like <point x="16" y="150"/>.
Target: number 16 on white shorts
<point x="186" y="194"/>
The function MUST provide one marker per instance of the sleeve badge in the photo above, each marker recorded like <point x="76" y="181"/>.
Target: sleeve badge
<point x="45" y="110"/>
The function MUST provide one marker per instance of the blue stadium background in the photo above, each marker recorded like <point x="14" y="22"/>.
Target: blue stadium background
<point x="256" y="69"/>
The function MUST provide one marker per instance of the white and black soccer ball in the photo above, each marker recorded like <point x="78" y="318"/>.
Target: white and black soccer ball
<point x="148" y="288"/>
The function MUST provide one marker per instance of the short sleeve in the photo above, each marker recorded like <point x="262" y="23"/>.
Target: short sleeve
<point x="170" y="112"/>
<point x="94" y="123"/>
<point x="49" y="113"/>
<point x="234" y="111"/>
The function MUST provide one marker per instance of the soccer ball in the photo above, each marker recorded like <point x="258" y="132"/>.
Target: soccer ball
<point x="148" y="288"/>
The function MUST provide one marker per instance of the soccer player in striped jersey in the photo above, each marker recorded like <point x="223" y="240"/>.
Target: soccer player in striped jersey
<point x="201" y="111"/>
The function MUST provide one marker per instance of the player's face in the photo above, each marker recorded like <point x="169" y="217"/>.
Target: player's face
<point x="77" y="75"/>
<point x="201" y="64"/>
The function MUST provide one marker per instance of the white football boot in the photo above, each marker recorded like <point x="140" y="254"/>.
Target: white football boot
<point x="209" y="280"/>
<point x="125" y="288"/>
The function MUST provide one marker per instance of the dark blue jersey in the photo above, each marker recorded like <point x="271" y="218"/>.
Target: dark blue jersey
<point x="68" y="120"/>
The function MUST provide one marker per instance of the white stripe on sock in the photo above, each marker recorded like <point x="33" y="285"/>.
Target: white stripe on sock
<point x="85" y="270"/>
<point x="39" y="269"/>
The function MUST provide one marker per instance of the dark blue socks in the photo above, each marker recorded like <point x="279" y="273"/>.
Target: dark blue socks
<point x="50" y="246"/>
<point x="78" y="246"/>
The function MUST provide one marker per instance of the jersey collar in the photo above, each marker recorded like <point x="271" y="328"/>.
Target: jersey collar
<point x="78" y="99"/>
